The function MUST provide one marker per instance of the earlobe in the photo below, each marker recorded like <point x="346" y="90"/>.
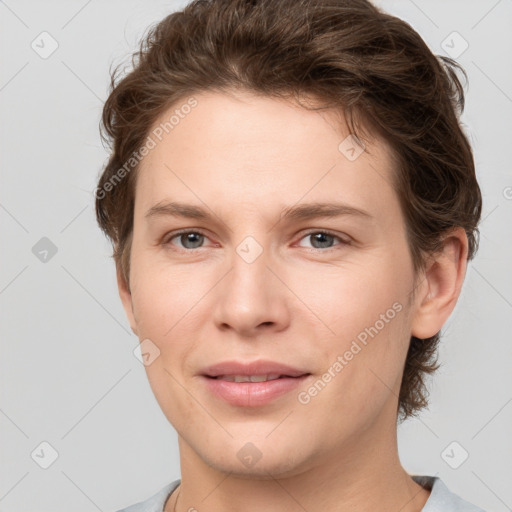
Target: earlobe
<point x="442" y="285"/>
<point x="126" y="299"/>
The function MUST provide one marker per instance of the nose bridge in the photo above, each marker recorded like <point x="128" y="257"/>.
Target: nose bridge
<point x="250" y="275"/>
<point x="249" y="295"/>
<point x="250" y="250"/>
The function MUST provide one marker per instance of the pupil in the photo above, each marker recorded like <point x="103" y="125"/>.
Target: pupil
<point x="321" y="239"/>
<point x="189" y="238"/>
<point x="322" y="243"/>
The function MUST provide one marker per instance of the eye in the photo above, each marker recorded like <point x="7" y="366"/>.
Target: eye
<point x="323" y="239"/>
<point x="193" y="239"/>
<point x="189" y="240"/>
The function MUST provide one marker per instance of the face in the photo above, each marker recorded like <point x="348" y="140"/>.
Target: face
<point x="263" y="275"/>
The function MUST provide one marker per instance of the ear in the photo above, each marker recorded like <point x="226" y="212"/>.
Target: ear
<point x="440" y="290"/>
<point x="126" y="299"/>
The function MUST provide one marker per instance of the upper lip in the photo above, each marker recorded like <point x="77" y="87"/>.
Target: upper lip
<point x="260" y="367"/>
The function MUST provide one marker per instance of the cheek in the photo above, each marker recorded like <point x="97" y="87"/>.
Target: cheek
<point x="164" y="301"/>
<point x="164" y="298"/>
<point x="346" y="299"/>
<point x="366" y="342"/>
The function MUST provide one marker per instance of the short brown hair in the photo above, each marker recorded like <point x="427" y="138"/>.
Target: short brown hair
<point x="348" y="55"/>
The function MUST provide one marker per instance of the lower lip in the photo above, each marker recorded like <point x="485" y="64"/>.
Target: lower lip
<point x="252" y="394"/>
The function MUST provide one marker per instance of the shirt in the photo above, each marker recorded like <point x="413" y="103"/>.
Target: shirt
<point x="441" y="499"/>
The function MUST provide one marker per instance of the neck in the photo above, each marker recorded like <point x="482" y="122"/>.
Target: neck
<point x="363" y="475"/>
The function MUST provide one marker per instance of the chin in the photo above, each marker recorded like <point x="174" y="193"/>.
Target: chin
<point x="263" y="460"/>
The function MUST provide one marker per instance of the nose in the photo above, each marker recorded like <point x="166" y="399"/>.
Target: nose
<point x="251" y="299"/>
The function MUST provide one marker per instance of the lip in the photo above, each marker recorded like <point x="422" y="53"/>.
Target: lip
<point x="252" y="394"/>
<point x="260" y="367"/>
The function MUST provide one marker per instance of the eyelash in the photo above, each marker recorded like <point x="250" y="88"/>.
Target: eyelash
<point x="167" y="240"/>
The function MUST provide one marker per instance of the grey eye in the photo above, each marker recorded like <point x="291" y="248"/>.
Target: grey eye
<point x="321" y="239"/>
<point x="190" y="239"/>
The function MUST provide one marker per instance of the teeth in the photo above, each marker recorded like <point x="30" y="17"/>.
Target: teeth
<point x="249" y="378"/>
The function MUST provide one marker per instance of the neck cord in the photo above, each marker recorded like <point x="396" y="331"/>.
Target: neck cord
<point x="177" y="497"/>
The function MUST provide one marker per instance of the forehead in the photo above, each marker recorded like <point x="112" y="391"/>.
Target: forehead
<point x="244" y="149"/>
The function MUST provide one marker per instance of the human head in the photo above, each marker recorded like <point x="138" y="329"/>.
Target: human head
<point x="343" y="56"/>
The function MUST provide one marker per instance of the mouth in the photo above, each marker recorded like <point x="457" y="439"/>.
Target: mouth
<point x="252" y="391"/>
<point x="253" y="383"/>
<point x="254" y="378"/>
<point x="261" y="370"/>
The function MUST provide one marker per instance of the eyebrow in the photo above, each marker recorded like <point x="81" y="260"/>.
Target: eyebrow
<point x="298" y="212"/>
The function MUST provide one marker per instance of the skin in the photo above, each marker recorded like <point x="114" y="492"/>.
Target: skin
<point x="244" y="158"/>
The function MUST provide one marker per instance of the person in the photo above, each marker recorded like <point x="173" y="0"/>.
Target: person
<point x="292" y="204"/>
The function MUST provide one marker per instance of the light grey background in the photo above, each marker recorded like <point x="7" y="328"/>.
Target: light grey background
<point x="68" y="373"/>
